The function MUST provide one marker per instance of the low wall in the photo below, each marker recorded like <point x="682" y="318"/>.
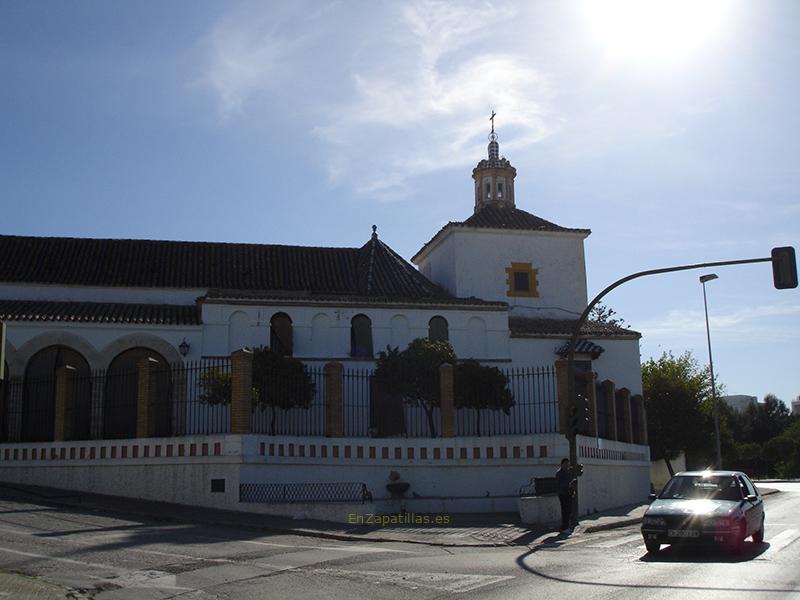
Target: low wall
<point x="444" y="475"/>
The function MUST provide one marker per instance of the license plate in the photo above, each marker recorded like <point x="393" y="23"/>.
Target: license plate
<point x="683" y="533"/>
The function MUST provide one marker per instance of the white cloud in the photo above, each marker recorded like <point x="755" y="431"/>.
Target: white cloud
<point x="427" y="112"/>
<point x="391" y="96"/>
<point x="750" y="320"/>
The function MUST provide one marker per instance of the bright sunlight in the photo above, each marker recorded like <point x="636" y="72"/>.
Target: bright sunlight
<point x="655" y="32"/>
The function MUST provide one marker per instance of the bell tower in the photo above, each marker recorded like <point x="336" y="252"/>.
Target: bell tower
<point x="494" y="177"/>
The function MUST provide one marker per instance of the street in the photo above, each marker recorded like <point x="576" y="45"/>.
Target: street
<point x="93" y="555"/>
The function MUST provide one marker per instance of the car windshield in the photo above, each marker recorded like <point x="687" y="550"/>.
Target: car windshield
<point x="706" y="487"/>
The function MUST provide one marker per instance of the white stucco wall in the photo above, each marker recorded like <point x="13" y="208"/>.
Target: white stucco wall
<point x="323" y="332"/>
<point x="619" y="362"/>
<point x="472" y="262"/>
<point x="472" y="483"/>
<point x="98" y="343"/>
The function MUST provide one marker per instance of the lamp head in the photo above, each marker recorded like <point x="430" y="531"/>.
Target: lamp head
<point x="709" y="277"/>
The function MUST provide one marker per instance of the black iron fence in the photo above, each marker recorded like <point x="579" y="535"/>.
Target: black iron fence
<point x="293" y="404"/>
<point x="195" y="398"/>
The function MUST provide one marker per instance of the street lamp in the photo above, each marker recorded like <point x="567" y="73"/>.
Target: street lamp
<point x="714" y="408"/>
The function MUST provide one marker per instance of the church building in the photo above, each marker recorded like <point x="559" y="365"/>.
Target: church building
<point x="503" y="286"/>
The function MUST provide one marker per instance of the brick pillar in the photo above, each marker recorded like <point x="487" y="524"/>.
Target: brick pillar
<point x="607" y="389"/>
<point x="590" y="379"/>
<point x="642" y="417"/>
<point x="563" y="395"/>
<point x="144" y="398"/>
<point x="334" y="411"/>
<point x="241" y="390"/>
<point x="61" y="428"/>
<point x="446" y="403"/>
<point x="625" y="394"/>
<point x="97" y="407"/>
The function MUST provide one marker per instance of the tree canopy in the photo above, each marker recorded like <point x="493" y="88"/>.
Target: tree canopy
<point x="676" y="391"/>
<point x="480" y="387"/>
<point x="413" y="373"/>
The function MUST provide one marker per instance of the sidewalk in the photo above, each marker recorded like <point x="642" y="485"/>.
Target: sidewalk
<point x="464" y="529"/>
<point x="22" y="587"/>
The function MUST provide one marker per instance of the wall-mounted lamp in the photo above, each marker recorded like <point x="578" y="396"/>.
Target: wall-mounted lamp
<point x="184" y="347"/>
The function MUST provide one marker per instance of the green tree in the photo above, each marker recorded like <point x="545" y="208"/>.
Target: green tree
<point x="675" y="391"/>
<point x="605" y="314"/>
<point x="413" y="374"/>
<point x="481" y="387"/>
<point x="280" y="382"/>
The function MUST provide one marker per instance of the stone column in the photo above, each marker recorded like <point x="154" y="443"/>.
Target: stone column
<point x="625" y="394"/>
<point x="144" y="398"/>
<point x="446" y="401"/>
<point x="334" y="409"/>
<point x="241" y="390"/>
<point x="607" y="389"/>
<point x="639" y="400"/>
<point x="63" y="400"/>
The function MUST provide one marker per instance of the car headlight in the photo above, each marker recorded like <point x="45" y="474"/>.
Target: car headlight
<point x="655" y="521"/>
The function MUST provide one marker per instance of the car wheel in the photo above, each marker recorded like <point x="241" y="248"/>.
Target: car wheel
<point x="758" y="536"/>
<point x="737" y="539"/>
<point x="652" y="547"/>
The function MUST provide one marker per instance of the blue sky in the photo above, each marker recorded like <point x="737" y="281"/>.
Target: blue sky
<point x="670" y="129"/>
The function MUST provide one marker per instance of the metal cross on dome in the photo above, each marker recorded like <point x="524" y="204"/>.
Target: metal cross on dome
<point x="492" y="120"/>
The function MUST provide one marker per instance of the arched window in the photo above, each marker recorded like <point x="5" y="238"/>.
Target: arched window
<point x="39" y="394"/>
<point x="237" y="331"/>
<point x="361" y="337"/>
<point x="280" y="334"/>
<point x="438" y="330"/>
<point x="400" y="332"/>
<point x="122" y="384"/>
<point x="320" y="336"/>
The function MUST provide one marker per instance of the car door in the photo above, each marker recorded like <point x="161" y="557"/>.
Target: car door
<point x="754" y="510"/>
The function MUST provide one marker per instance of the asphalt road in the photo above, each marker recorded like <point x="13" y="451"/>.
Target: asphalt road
<point x="94" y="555"/>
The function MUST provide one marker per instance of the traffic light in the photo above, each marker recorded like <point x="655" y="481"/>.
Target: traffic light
<point x="784" y="268"/>
<point x="579" y="416"/>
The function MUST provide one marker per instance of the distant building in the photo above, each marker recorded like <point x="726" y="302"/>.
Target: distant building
<point x="739" y="402"/>
<point x="796" y="406"/>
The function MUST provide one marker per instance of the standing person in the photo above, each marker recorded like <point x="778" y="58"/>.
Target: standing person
<point x="565" y="485"/>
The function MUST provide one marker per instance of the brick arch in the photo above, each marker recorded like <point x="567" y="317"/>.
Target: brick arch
<point x="54" y="338"/>
<point x="139" y="340"/>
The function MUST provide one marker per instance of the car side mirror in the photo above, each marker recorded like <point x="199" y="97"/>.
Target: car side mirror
<point x="751" y="498"/>
<point x="651" y="497"/>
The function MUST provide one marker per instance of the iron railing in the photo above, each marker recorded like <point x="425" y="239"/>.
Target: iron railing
<point x="194" y="399"/>
<point x="291" y="493"/>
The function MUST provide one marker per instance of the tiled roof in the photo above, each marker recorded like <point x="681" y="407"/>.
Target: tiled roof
<point x="526" y="327"/>
<point x="496" y="217"/>
<point x="372" y="271"/>
<point x="583" y="347"/>
<point x="99" y="312"/>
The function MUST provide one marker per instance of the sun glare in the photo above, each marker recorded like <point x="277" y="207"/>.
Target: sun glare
<point x="654" y="31"/>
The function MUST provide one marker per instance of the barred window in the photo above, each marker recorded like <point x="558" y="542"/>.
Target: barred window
<point x="438" y="330"/>
<point x="361" y="337"/>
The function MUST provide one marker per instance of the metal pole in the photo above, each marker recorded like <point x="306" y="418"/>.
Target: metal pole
<point x="714" y="407"/>
<point x="573" y="443"/>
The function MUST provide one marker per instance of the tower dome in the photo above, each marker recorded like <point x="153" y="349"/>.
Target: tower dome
<point x="494" y="178"/>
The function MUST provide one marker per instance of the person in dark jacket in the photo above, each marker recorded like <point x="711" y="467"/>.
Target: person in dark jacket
<point x="565" y="484"/>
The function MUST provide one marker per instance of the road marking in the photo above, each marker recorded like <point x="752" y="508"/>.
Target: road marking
<point x="445" y="582"/>
<point x="617" y="542"/>
<point x="64" y="560"/>
<point x="780" y="541"/>
<point x="363" y="549"/>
